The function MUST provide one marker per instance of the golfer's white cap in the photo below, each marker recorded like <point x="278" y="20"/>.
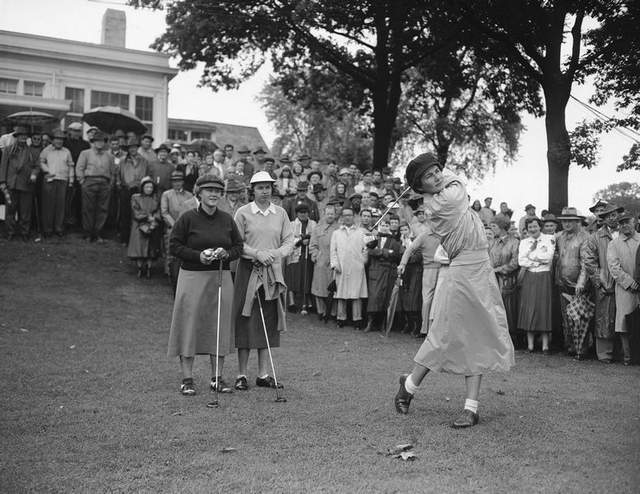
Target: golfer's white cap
<point x="261" y="177"/>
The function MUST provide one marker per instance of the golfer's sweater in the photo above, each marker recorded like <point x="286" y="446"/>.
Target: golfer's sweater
<point x="264" y="231"/>
<point x="196" y="231"/>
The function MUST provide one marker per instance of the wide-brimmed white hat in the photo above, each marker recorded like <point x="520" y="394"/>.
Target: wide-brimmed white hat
<point x="261" y="177"/>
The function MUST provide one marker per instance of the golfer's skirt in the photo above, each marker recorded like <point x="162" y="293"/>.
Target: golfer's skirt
<point x="469" y="333"/>
<point x="195" y="313"/>
<point x="249" y="332"/>
<point x="535" y="302"/>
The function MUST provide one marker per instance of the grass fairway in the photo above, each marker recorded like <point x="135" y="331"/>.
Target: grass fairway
<point x="90" y="402"/>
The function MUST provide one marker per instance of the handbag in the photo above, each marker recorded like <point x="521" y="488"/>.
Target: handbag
<point x="145" y="229"/>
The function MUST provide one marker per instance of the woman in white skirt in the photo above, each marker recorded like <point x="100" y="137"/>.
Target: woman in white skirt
<point x="469" y="333"/>
<point x="202" y="239"/>
<point x="535" y="255"/>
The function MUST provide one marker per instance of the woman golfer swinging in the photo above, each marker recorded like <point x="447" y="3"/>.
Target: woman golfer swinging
<point x="257" y="315"/>
<point x="469" y="333"/>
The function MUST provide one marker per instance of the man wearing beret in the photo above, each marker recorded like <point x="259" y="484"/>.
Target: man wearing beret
<point x="19" y="169"/>
<point x="96" y="172"/>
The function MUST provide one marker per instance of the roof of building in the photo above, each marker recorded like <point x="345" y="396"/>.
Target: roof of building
<point x="87" y="53"/>
<point x="223" y="133"/>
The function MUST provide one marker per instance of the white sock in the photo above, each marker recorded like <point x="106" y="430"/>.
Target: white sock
<point x="410" y="386"/>
<point x="241" y="375"/>
<point x="471" y="405"/>
<point x="264" y="377"/>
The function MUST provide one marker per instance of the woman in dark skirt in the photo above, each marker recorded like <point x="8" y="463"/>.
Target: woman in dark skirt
<point x="268" y="239"/>
<point x="535" y="255"/>
<point x="202" y="239"/>
<point x="299" y="268"/>
<point x="145" y="235"/>
<point x="410" y="300"/>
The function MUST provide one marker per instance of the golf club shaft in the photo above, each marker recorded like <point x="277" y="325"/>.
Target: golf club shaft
<point x="218" y="325"/>
<point x="304" y="279"/>
<point x="266" y="336"/>
<point x="389" y="207"/>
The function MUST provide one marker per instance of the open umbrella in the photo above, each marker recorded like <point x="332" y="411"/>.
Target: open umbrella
<point x="393" y="303"/>
<point x="111" y="118"/>
<point x="30" y="118"/>
<point x="203" y="146"/>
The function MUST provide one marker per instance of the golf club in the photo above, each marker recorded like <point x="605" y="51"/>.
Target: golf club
<point x="389" y="207"/>
<point x="215" y="403"/>
<point x="304" y="281"/>
<point x="279" y="399"/>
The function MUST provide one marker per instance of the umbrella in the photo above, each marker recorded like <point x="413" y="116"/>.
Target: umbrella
<point x="332" y="288"/>
<point x="31" y="118"/>
<point x="203" y="145"/>
<point x="111" y="118"/>
<point x="580" y="310"/>
<point x="393" y="303"/>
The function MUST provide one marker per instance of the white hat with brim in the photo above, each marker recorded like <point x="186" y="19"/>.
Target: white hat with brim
<point x="261" y="177"/>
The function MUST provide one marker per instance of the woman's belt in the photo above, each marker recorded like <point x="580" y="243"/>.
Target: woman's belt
<point x="470" y="257"/>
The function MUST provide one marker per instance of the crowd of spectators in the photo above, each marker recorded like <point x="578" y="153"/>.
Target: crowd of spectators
<point x="564" y="280"/>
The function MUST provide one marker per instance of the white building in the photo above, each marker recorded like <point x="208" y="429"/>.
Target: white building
<point x="67" y="78"/>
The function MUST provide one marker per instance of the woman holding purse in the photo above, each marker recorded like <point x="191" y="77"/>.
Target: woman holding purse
<point x="145" y="234"/>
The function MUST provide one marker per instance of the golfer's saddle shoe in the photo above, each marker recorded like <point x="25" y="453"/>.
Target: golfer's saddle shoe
<point x="403" y="397"/>
<point x="267" y="382"/>
<point x="466" y="419"/>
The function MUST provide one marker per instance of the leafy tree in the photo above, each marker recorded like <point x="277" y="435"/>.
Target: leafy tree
<point x="616" y="67"/>
<point x="465" y="110"/>
<point x="631" y="160"/>
<point x="372" y="43"/>
<point x="623" y="194"/>
<point x="532" y="35"/>
<point x="331" y="129"/>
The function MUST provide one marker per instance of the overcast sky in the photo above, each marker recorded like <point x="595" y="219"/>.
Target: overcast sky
<point x="523" y="181"/>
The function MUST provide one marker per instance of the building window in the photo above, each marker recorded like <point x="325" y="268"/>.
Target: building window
<point x="8" y="86"/>
<point x="177" y="135"/>
<point x="34" y="88"/>
<point x="200" y="135"/>
<point x="102" y="98"/>
<point x="144" y="108"/>
<point x="76" y="96"/>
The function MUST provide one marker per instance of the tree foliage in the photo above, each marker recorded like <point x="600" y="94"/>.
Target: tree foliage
<point x="625" y="194"/>
<point x="467" y="111"/>
<point x="322" y="128"/>
<point x="370" y="42"/>
<point x="614" y="59"/>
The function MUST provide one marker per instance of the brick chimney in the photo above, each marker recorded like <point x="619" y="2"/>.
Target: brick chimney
<point x="114" y="28"/>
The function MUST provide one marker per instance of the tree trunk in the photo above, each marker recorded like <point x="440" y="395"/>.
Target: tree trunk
<point x="558" y="147"/>
<point x="382" y="129"/>
<point x="386" y="100"/>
